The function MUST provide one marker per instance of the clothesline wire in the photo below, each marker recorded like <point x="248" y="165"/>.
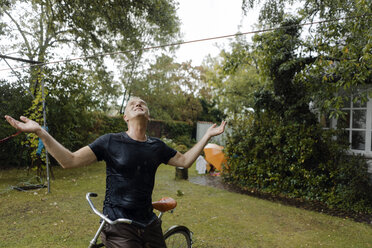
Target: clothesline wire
<point x="185" y="42"/>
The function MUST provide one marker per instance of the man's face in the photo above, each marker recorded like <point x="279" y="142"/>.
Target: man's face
<point x="136" y="107"/>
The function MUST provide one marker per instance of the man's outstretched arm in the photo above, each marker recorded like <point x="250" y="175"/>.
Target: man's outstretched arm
<point x="65" y="157"/>
<point x="187" y="159"/>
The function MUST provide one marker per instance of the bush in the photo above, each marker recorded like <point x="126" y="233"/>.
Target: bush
<point x="13" y="101"/>
<point x="297" y="160"/>
<point x="175" y="145"/>
<point x="178" y="134"/>
<point x="76" y="128"/>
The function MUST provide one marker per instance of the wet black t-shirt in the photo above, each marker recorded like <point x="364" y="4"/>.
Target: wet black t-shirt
<point x="130" y="174"/>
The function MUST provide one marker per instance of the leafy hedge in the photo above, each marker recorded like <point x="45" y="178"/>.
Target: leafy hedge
<point x="298" y="161"/>
<point x="75" y="129"/>
<point x="181" y="133"/>
<point x="13" y="101"/>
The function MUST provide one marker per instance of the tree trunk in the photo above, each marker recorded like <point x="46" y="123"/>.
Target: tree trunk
<point x="182" y="173"/>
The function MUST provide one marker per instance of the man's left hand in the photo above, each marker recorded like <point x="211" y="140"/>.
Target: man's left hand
<point x="214" y="130"/>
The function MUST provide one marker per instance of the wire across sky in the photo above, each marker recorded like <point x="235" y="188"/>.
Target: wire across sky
<point x="181" y="43"/>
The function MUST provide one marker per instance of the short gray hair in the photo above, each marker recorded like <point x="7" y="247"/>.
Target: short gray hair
<point x="134" y="98"/>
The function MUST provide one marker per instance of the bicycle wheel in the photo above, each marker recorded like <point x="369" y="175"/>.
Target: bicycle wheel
<point x="178" y="237"/>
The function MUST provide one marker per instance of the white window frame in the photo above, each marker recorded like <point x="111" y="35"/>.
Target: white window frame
<point x="367" y="129"/>
<point x="367" y="152"/>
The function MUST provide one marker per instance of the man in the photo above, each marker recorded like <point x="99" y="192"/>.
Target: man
<point x="132" y="159"/>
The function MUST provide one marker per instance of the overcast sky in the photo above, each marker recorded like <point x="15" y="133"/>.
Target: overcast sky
<point x="210" y="18"/>
<point x="202" y="19"/>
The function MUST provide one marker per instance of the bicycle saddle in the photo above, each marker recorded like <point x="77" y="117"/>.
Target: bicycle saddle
<point x="165" y="204"/>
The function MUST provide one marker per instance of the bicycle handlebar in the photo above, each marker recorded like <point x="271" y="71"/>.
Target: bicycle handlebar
<point x="111" y="222"/>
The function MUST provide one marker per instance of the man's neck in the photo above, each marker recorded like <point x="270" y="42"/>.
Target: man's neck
<point x="137" y="129"/>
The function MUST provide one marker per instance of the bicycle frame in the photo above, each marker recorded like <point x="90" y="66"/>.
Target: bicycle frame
<point x="164" y="205"/>
<point x="104" y="219"/>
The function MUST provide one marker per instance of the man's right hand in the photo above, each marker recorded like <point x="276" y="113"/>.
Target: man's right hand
<point x="65" y="157"/>
<point x="27" y="126"/>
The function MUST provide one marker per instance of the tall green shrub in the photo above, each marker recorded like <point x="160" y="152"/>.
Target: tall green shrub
<point x="272" y="155"/>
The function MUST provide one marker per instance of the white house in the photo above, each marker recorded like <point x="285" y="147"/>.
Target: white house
<point x="357" y="125"/>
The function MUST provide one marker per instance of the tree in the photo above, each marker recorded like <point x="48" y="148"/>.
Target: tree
<point x="43" y="29"/>
<point x="92" y="26"/>
<point x="337" y="53"/>
<point x="280" y="63"/>
<point x="281" y="148"/>
<point x="39" y="29"/>
<point x="233" y="76"/>
<point x="171" y="89"/>
<point x="76" y="93"/>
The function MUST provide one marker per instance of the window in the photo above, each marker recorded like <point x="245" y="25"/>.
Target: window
<point x="355" y="125"/>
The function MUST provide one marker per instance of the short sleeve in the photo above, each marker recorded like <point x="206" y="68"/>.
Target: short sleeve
<point x="99" y="147"/>
<point x="168" y="153"/>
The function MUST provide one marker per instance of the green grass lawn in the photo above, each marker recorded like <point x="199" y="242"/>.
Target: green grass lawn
<point x="218" y="218"/>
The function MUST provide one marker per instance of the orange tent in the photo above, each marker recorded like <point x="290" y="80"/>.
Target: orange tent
<point x="214" y="155"/>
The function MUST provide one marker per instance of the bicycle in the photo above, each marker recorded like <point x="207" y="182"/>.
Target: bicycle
<point x="175" y="236"/>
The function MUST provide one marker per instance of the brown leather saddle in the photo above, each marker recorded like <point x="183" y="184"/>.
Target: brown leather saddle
<point x="165" y="204"/>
